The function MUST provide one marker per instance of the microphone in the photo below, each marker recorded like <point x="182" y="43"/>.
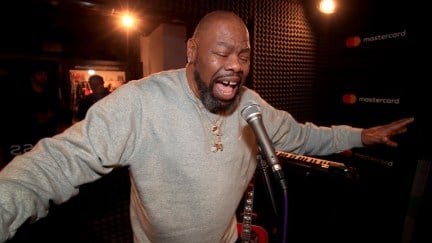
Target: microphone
<point x="251" y="112"/>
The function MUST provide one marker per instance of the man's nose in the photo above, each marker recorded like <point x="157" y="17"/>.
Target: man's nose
<point x="233" y="63"/>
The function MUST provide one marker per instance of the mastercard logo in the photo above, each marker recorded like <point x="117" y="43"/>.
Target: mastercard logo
<point x="349" y="99"/>
<point x="352" y="41"/>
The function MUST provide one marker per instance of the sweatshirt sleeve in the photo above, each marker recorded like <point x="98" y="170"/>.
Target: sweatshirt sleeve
<point x="55" y="168"/>
<point x="307" y="138"/>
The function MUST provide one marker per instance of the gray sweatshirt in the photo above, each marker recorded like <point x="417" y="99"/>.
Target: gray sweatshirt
<point x="181" y="190"/>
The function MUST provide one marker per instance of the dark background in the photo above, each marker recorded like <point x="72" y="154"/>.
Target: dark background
<point x="301" y="64"/>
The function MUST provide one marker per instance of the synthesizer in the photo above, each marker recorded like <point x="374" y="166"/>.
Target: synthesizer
<point x="318" y="164"/>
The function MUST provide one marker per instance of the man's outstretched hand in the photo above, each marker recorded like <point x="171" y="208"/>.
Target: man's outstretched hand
<point x="382" y="135"/>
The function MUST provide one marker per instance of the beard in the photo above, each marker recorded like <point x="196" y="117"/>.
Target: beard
<point x="210" y="102"/>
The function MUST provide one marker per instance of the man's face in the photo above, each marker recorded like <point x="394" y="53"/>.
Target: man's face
<point x="221" y="65"/>
<point x="40" y="77"/>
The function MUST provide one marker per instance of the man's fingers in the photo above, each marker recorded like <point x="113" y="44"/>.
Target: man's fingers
<point x="403" y="122"/>
<point x="400" y="125"/>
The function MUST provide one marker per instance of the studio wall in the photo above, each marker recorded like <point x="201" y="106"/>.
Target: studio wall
<point x="352" y="68"/>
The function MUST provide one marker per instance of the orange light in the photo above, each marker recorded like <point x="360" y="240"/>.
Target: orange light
<point x="327" y="6"/>
<point x="128" y="20"/>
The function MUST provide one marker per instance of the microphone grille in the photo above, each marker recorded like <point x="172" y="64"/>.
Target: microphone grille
<point x="250" y="109"/>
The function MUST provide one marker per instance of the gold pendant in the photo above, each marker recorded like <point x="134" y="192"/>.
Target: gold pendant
<point x="217" y="147"/>
<point x="215" y="129"/>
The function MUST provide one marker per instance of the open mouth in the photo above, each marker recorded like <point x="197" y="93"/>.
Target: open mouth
<point x="225" y="89"/>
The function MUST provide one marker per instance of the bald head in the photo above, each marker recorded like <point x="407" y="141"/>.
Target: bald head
<point x="216" y="28"/>
<point x="209" y="22"/>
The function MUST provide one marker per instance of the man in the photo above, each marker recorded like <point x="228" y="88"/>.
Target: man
<point x="190" y="152"/>
<point x="99" y="91"/>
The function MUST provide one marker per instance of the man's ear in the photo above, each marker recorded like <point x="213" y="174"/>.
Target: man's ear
<point x="191" y="50"/>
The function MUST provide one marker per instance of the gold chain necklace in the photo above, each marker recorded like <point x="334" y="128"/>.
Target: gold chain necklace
<point x="215" y="130"/>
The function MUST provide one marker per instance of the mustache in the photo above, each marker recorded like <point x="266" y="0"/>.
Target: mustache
<point x="228" y="75"/>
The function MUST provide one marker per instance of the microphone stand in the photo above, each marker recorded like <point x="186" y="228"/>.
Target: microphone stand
<point x="262" y="164"/>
